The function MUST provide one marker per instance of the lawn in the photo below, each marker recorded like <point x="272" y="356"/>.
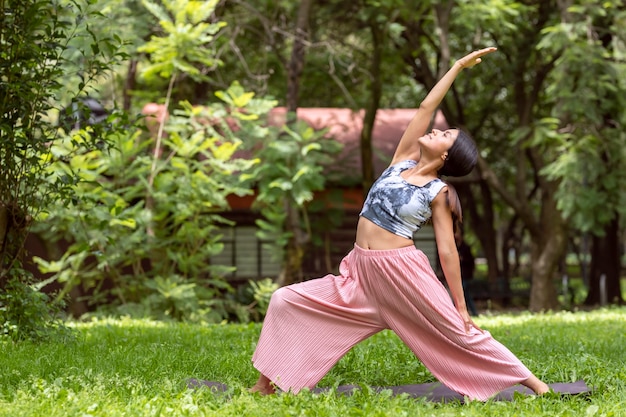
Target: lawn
<point x="139" y="368"/>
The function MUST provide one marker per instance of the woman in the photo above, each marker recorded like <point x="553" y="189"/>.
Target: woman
<point x="386" y="283"/>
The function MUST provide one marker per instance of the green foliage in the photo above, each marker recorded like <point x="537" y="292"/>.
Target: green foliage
<point x="262" y="291"/>
<point x="587" y="94"/>
<point x="188" y="39"/>
<point x="152" y="260"/>
<point x="140" y="368"/>
<point x="505" y="15"/>
<point x="48" y="54"/>
<point x="259" y="37"/>
<point x="38" y="41"/>
<point x="147" y="224"/>
<point x="291" y="168"/>
<point x="26" y="313"/>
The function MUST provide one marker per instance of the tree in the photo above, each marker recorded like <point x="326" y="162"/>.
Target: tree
<point x="127" y="257"/>
<point x="135" y="26"/>
<point x="507" y="105"/>
<point x="185" y="50"/>
<point x="142" y="236"/>
<point x="40" y="43"/>
<point x="297" y="237"/>
<point x="588" y="93"/>
<point x="291" y="163"/>
<point x="380" y="20"/>
<point x="529" y="193"/>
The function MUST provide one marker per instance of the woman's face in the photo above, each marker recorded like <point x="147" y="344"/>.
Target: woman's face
<point x="439" y="141"/>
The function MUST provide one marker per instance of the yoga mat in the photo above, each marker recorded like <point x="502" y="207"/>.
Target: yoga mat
<point x="434" y="391"/>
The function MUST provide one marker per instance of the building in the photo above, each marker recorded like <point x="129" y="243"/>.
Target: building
<point x="334" y="227"/>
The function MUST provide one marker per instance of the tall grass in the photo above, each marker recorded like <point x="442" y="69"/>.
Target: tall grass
<point x="140" y="368"/>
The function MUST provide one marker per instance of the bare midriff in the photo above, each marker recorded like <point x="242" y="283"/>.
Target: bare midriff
<point x="371" y="236"/>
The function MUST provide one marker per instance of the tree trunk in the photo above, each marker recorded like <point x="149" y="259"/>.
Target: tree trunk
<point x="294" y="252"/>
<point x="4" y="230"/>
<point x="605" y="250"/>
<point x="296" y="64"/>
<point x="548" y="232"/>
<point x="511" y="240"/>
<point x="375" y="88"/>
<point x="482" y="223"/>
<point x="480" y="213"/>
<point x="548" y="245"/>
<point x="129" y="85"/>
<point x="543" y="295"/>
<point x="605" y="261"/>
<point x="292" y="265"/>
<point x="14" y="226"/>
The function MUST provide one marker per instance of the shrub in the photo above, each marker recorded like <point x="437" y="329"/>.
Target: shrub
<point x="40" y="43"/>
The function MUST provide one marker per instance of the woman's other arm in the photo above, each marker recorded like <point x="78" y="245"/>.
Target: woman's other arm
<point x="449" y="255"/>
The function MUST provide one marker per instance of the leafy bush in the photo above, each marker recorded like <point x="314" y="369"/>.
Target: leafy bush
<point x="40" y="43"/>
<point x="262" y="291"/>
<point x="27" y="313"/>
<point x="144" y="221"/>
<point x="292" y="166"/>
<point x="144" y="231"/>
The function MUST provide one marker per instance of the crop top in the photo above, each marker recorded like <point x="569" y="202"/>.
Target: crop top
<point x="398" y="206"/>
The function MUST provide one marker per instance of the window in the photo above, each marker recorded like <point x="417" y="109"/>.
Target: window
<point x="252" y="257"/>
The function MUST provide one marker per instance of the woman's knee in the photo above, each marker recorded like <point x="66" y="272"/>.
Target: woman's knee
<point x="279" y="298"/>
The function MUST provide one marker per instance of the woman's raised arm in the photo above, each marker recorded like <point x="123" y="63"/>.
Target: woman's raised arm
<point x="408" y="148"/>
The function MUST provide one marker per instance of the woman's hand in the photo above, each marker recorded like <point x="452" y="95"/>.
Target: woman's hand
<point x="474" y="58"/>
<point x="469" y="323"/>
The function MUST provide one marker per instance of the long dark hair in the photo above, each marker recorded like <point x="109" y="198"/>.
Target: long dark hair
<point x="453" y="201"/>
<point x="461" y="160"/>
<point x="462" y="156"/>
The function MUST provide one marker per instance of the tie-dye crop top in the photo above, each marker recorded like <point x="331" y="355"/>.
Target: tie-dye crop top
<point x="398" y="206"/>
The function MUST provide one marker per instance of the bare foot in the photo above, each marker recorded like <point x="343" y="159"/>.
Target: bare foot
<point x="263" y="386"/>
<point x="542" y="389"/>
<point x="536" y="385"/>
<point x="262" y="390"/>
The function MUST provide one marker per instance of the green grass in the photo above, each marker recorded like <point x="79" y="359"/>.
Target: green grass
<point x="139" y="368"/>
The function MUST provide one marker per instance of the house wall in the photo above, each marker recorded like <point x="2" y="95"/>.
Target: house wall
<point x="256" y="259"/>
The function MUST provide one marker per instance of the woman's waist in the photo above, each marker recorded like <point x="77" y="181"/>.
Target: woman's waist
<point x="371" y="236"/>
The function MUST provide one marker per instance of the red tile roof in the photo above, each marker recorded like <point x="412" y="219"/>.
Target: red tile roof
<point x="345" y="125"/>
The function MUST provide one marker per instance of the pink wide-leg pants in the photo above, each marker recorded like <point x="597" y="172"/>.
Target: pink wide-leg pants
<point x="309" y="326"/>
